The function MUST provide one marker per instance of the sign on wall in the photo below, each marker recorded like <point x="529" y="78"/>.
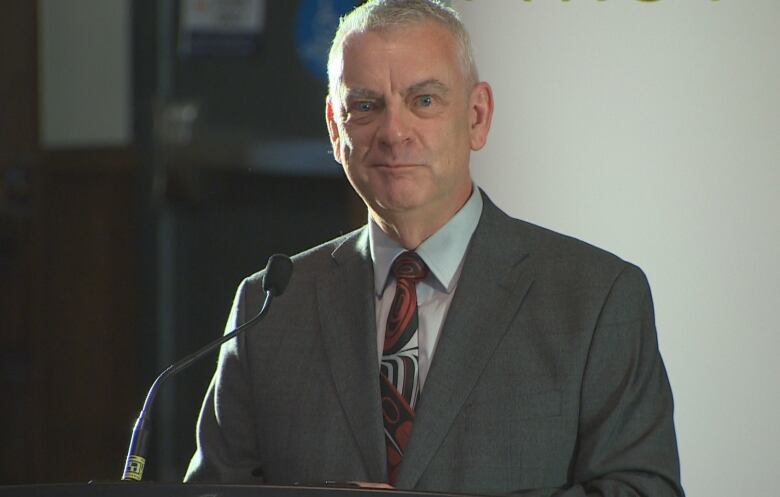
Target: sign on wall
<point x="221" y="27"/>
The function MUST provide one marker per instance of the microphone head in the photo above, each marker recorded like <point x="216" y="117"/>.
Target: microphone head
<point x="277" y="274"/>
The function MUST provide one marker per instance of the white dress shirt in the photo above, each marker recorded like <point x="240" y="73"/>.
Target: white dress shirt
<point x="443" y="253"/>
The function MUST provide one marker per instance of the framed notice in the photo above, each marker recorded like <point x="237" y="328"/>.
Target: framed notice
<point x="221" y="27"/>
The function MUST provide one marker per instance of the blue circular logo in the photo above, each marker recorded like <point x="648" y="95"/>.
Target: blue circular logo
<point x="315" y="25"/>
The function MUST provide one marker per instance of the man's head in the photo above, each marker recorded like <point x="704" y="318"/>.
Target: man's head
<point x="405" y="111"/>
<point x="385" y="15"/>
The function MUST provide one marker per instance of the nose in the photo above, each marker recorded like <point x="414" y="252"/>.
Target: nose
<point x="395" y="128"/>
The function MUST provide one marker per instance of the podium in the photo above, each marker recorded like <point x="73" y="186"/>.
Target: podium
<point x="133" y="489"/>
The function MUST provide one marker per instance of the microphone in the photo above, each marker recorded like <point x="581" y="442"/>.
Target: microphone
<point x="277" y="275"/>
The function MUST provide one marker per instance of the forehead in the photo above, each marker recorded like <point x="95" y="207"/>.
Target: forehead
<point x="401" y="56"/>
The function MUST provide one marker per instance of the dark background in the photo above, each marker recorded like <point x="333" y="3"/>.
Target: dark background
<point x="115" y="261"/>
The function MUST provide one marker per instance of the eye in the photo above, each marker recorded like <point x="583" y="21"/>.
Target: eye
<point x="425" y="100"/>
<point x="363" y="106"/>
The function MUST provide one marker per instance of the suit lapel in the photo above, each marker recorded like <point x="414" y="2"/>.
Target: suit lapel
<point x="346" y="308"/>
<point x="490" y="291"/>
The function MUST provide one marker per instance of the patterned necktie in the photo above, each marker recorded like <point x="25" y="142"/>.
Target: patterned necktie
<point x="398" y="378"/>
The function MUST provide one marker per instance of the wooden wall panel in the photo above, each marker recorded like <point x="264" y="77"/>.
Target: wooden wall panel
<point x="77" y="383"/>
<point x="18" y="149"/>
<point x="18" y="79"/>
<point x="86" y="361"/>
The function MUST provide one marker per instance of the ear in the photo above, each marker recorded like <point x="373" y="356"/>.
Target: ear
<point x="333" y="129"/>
<point x="481" y="113"/>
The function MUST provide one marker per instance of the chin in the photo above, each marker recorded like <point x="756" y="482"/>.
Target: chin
<point x="399" y="202"/>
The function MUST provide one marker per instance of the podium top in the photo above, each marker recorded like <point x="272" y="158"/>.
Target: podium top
<point x="133" y="489"/>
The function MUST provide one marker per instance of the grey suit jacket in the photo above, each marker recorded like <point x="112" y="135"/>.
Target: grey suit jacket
<point x="546" y="380"/>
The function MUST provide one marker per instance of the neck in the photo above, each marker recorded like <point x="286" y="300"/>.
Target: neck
<point x="409" y="235"/>
<point x="411" y="228"/>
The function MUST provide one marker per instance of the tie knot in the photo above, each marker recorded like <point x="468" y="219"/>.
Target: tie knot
<point x="409" y="266"/>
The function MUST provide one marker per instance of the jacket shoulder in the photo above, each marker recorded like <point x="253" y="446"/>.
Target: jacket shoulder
<point x="551" y="252"/>
<point x="320" y="258"/>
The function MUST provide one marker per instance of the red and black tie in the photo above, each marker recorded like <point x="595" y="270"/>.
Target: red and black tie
<point x="398" y="378"/>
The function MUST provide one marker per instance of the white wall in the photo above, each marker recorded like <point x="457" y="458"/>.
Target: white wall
<point x="84" y="67"/>
<point x="652" y="129"/>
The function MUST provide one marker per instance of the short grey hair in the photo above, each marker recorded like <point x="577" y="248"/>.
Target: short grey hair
<point x="379" y="15"/>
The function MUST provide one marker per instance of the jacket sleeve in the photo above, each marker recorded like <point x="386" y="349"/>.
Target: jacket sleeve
<point x="225" y="432"/>
<point x="626" y="444"/>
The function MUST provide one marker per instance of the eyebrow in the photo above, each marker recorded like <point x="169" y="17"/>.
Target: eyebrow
<point x="427" y="85"/>
<point x="360" y="93"/>
<point x="421" y="87"/>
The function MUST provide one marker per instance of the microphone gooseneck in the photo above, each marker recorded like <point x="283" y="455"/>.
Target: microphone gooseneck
<point x="277" y="275"/>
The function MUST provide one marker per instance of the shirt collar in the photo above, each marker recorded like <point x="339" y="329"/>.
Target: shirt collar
<point x="443" y="251"/>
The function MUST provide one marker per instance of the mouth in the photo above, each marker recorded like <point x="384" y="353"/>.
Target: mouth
<point x="396" y="166"/>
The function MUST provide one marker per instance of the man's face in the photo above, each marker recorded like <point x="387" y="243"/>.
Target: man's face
<point x="406" y="119"/>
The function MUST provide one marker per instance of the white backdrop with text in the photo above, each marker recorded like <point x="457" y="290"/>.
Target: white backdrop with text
<point x="652" y="129"/>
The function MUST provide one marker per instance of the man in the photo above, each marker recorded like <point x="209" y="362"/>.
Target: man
<point x="529" y="363"/>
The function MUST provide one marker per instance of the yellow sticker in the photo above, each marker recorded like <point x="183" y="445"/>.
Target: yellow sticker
<point x="135" y="468"/>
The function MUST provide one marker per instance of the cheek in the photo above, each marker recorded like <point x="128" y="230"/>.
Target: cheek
<point x="344" y="139"/>
<point x="448" y="140"/>
<point x="355" y="141"/>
